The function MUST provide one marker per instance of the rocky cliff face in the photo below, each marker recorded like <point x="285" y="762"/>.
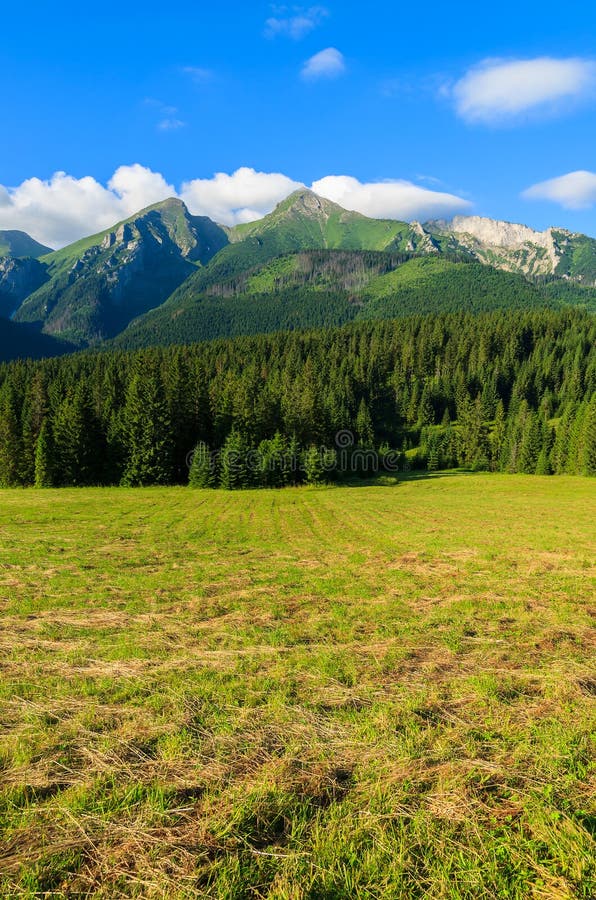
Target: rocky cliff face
<point x="18" y="279"/>
<point x="517" y="248"/>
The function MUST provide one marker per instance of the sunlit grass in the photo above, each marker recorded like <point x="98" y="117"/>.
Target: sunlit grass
<point x="309" y="693"/>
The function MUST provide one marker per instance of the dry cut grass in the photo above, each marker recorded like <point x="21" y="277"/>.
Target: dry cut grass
<point x="382" y="692"/>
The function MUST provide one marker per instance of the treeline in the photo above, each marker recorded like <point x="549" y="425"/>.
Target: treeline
<point x="507" y="391"/>
<point x="345" y="270"/>
<point x="320" y="289"/>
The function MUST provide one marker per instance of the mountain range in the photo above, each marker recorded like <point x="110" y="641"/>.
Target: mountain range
<point x="164" y="275"/>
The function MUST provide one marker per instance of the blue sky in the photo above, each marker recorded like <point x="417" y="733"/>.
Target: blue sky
<point x="473" y="107"/>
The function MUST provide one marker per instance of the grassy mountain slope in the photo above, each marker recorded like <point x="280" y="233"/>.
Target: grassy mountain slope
<point x="98" y="284"/>
<point x="325" y="288"/>
<point x="305" y="220"/>
<point x="164" y="275"/>
<point x="578" y="258"/>
<point x="301" y="222"/>
<point x="19" y="243"/>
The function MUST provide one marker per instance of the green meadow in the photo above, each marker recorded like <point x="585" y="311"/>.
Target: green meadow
<point x="382" y="691"/>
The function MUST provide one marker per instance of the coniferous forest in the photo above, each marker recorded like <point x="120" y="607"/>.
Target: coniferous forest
<point x="504" y="391"/>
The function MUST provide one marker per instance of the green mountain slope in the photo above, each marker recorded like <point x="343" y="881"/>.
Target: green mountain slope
<point x="324" y="288"/>
<point x="301" y="222"/>
<point x="97" y="285"/>
<point x="305" y="221"/>
<point x="19" y="243"/>
<point x="164" y="275"/>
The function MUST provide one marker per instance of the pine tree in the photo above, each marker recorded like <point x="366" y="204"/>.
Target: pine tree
<point x="588" y="454"/>
<point x="10" y="438"/>
<point x="364" y="426"/>
<point x="313" y="465"/>
<point x="488" y="400"/>
<point x="33" y="414"/>
<point x="543" y="466"/>
<point x="426" y="412"/>
<point x="433" y="455"/>
<point x="202" y="470"/>
<point x="44" y="455"/>
<point x="79" y="451"/>
<point x="235" y="469"/>
<point x="147" y="430"/>
<point x="531" y="445"/>
<point x="498" y="437"/>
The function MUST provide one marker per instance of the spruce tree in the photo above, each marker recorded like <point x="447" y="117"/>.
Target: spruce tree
<point x="531" y="445"/>
<point x="44" y="457"/>
<point x="433" y="455"/>
<point x="10" y="438"/>
<point x="147" y="430"/>
<point x="588" y="454"/>
<point x="235" y="472"/>
<point x="79" y="448"/>
<point x="364" y="426"/>
<point x="313" y="465"/>
<point x="202" y="471"/>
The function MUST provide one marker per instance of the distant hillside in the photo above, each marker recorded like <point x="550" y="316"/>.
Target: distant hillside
<point x="97" y="285"/>
<point x="18" y="243"/>
<point x="324" y="288"/>
<point x="165" y="275"/>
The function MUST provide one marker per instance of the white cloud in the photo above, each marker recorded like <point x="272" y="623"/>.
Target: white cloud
<point x="170" y="123"/>
<point x="64" y="209"/>
<point x="498" y="91"/>
<point x="328" y="63"/>
<point x="389" y="199"/>
<point x="296" y="26"/>
<point x="137" y="187"/>
<point x="244" y="196"/>
<point x="198" y="74"/>
<point x="576" y="190"/>
<point x="169" y="120"/>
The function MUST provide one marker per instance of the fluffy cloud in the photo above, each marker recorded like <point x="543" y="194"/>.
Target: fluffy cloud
<point x="136" y="187"/>
<point x="389" y="199"/>
<point x="497" y="91"/>
<point x="297" y="25"/>
<point x="328" y="63"/>
<point x="244" y="196"/>
<point x="576" y="190"/>
<point x="64" y="208"/>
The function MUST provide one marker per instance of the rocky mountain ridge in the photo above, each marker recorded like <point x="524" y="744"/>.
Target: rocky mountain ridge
<point x="92" y="289"/>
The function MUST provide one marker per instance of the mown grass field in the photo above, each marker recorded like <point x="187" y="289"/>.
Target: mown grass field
<point x="372" y="692"/>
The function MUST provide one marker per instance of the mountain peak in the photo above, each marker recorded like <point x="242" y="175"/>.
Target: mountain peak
<point x="306" y="202"/>
<point x="19" y="243"/>
<point x="167" y="205"/>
